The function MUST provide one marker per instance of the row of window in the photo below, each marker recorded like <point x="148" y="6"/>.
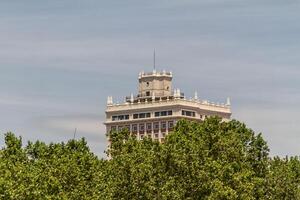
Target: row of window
<point x="120" y="117"/>
<point x="148" y="127"/>
<point x="188" y="113"/>
<point x="156" y="114"/>
<point x="163" y="113"/>
<point x="141" y="115"/>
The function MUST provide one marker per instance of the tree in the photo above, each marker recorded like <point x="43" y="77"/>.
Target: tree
<point x="209" y="160"/>
<point x="284" y="178"/>
<point x="54" y="171"/>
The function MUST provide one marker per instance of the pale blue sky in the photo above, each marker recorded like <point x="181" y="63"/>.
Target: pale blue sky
<point x="60" y="59"/>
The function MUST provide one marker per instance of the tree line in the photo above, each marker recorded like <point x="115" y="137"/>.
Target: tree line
<point x="211" y="160"/>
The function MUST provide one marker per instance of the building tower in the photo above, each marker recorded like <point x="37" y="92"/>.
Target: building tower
<point x="157" y="108"/>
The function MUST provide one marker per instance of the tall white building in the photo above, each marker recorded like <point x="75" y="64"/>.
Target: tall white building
<point x="157" y="108"/>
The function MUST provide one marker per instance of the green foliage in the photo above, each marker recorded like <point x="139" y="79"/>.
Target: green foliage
<point x="209" y="160"/>
<point x="54" y="171"/>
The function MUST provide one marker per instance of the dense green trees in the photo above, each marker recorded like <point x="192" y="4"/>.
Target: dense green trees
<point x="211" y="160"/>
<point x="54" y="171"/>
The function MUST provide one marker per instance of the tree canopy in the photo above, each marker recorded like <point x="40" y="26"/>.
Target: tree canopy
<point x="208" y="160"/>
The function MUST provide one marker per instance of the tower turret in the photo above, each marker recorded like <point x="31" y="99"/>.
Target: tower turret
<point x="155" y="83"/>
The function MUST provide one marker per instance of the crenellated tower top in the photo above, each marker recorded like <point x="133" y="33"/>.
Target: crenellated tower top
<point x="158" y="84"/>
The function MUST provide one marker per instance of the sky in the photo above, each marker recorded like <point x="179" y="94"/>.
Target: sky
<point x="60" y="59"/>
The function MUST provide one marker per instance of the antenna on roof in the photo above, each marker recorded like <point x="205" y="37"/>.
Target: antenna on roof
<point x="74" y="133"/>
<point x="154" y="60"/>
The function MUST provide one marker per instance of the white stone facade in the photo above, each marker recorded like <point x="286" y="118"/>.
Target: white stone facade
<point x="156" y="109"/>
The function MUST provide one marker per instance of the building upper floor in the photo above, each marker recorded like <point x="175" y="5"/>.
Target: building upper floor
<point x="155" y="94"/>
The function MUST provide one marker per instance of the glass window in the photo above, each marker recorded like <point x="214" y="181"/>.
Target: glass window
<point x="135" y="116"/>
<point x="134" y="127"/>
<point x="142" y="127"/>
<point x="149" y="126"/>
<point x="120" y="117"/>
<point x="188" y="113"/>
<point x="163" y="125"/>
<point x="142" y="115"/>
<point x="114" y="118"/>
<point x="156" y="125"/>
<point x="170" y="124"/>
<point x="163" y="113"/>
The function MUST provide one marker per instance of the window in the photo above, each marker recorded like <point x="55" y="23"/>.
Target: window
<point x="156" y="127"/>
<point x="163" y="126"/>
<point x="147" y="93"/>
<point x="163" y="113"/>
<point x="114" y="118"/>
<point x="170" y="125"/>
<point x="134" y="128"/>
<point x="188" y="113"/>
<point x="141" y="115"/>
<point x="120" y="117"/>
<point x="135" y="116"/>
<point x="149" y="127"/>
<point x="141" y="127"/>
<point x="120" y="128"/>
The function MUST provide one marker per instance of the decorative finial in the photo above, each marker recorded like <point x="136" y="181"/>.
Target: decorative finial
<point x="228" y="101"/>
<point x="196" y="96"/>
<point x="176" y="93"/>
<point x="153" y="96"/>
<point x="109" y="100"/>
<point x="131" y="98"/>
